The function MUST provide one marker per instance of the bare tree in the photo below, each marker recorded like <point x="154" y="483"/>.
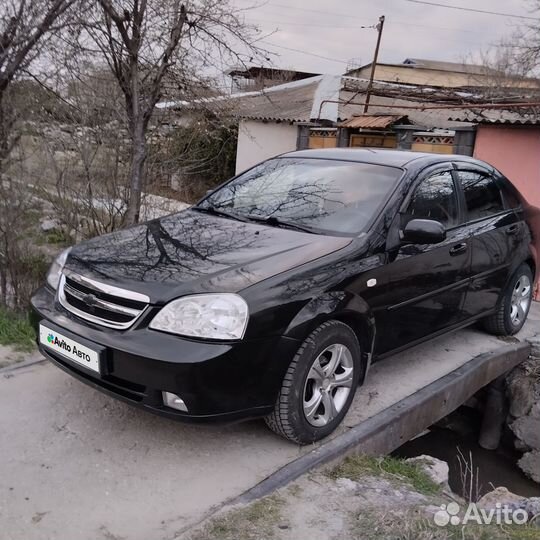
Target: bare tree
<point x="512" y="64"/>
<point x="23" y="26"/>
<point x="144" y="41"/>
<point x="505" y="74"/>
<point x="525" y="43"/>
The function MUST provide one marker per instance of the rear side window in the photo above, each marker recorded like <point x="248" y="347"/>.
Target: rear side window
<point x="435" y="198"/>
<point x="482" y="195"/>
<point x="510" y="197"/>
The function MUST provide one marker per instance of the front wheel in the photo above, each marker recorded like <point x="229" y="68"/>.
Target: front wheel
<point x="319" y="385"/>
<point x="514" y="305"/>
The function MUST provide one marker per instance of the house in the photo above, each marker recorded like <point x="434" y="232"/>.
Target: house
<point x="258" y="78"/>
<point x="327" y="111"/>
<point x="434" y="73"/>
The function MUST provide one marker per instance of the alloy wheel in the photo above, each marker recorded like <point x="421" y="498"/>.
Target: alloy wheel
<point x="520" y="300"/>
<point x="328" y="385"/>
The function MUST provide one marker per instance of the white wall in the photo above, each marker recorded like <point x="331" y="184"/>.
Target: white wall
<point x="258" y="141"/>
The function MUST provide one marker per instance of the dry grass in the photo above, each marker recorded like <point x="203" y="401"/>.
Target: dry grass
<point x="256" y="521"/>
<point x="356" y="467"/>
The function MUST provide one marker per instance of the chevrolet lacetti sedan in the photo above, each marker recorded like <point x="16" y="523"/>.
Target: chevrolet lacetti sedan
<point x="272" y="296"/>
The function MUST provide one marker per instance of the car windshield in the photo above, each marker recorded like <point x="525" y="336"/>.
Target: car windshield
<point x="319" y="195"/>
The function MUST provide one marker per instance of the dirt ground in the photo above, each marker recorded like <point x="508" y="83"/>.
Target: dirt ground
<point x="362" y="500"/>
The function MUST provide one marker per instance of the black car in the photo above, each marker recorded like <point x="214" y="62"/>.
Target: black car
<point x="272" y="296"/>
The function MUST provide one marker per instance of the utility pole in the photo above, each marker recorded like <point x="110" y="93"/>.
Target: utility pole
<point x="374" y="64"/>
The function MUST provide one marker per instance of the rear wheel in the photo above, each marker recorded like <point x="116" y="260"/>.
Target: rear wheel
<point x="514" y="305"/>
<point x="319" y="385"/>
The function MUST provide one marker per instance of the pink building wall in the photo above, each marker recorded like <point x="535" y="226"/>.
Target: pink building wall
<point x="515" y="151"/>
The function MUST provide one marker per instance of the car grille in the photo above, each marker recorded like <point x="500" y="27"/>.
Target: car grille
<point x="100" y="303"/>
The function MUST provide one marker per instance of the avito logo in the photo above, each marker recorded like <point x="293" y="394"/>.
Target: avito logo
<point x="60" y="343"/>
<point x="501" y="514"/>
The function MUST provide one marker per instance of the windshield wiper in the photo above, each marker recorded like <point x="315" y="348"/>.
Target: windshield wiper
<point x="276" y="222"/>
<point x="217" y="212"/>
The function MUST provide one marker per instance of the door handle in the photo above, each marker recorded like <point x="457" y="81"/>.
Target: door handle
<point x="458" y="248"/>
<point x="513" y="229"/>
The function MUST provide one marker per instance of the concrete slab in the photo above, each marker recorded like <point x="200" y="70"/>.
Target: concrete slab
<point x="77" y="464"/>
<point x="399" y="376"/>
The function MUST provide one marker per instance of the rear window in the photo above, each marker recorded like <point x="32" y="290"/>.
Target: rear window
<point x="482" y="194"/>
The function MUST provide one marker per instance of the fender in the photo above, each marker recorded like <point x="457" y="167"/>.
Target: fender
<point x="532" y="216"/>
<point x="528" y="256"/>
<point x="343" y="306"/>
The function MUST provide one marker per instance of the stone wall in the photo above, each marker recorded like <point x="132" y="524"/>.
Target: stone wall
<point x="523" y="391"/>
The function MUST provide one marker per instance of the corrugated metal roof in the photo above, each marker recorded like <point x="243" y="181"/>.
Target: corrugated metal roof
<point x="292" y="103"/>
<point x="427" y="118"/>
<point x="303" y="101"/>
<point x="289" y="102"/>
<point x="381" y="121"/>
<point x="500" y="116"/>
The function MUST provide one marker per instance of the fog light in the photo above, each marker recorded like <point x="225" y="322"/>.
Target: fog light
<point x="174" y="401"/>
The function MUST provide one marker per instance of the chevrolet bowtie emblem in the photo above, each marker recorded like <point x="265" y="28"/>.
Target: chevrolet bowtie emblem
<point x="90" y="300"/>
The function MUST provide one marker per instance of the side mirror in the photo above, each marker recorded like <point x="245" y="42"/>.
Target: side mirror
<point x="423" y="231"/>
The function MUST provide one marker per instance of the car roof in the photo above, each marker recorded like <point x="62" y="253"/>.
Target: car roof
<point x="392" y="158"/>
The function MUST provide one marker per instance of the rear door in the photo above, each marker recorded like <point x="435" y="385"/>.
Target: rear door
<point x="497" y="236"/>
<point x="426" y="283"/>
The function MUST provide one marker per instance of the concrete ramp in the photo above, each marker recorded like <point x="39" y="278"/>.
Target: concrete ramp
<point x="78" y="464"/>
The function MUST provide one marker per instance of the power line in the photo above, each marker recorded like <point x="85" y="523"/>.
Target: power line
<point x="474" y="10"/>
<point x="393" y="23"/>
<point x="350" y="16"/>
<point x="313" y="25"/>
<point x="304" y="52"/>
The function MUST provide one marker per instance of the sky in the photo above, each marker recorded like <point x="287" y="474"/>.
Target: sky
<point x="411" y="30"/>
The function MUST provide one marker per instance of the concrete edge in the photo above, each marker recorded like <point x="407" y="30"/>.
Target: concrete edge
<point x="393" y="426"/>
<point x="21" y="365"/>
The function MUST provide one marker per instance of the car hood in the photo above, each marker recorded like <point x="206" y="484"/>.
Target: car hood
<point x="192" y="252"/>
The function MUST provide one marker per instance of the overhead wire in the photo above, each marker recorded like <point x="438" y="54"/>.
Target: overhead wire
<point x="473" y="10"/>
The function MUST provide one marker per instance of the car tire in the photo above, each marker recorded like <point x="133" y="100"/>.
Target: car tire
<point x="319" y="385"/>
<point x="514" y="305"/>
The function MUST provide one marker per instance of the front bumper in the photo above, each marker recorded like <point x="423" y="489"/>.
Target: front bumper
<point x="216" y="380"/>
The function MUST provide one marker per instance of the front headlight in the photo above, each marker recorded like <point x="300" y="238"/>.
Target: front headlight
<point x="55" y="271"/>
<point x="212" y="316"/>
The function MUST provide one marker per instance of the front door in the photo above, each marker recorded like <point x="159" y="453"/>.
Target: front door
<point x="426" y="284"/>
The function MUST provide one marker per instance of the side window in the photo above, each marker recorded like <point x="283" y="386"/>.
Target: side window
<point x="435" y="198"/>
<point x="482" y="194"/>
